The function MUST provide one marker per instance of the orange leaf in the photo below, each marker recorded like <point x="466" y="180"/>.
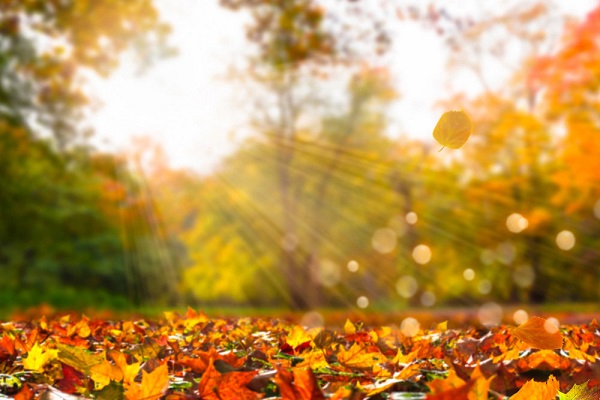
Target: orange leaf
<point x="359" y="357"/>
<point x="459" y="393"/>
<point x="538" y="390"/>
<point x="229" y="386"/>
<point x="153" y="386"/>
<point x="25" y="394"/>
<point x="438" y="386"/>
<point x="301" y="384"/>
<point x="535" y="334"/>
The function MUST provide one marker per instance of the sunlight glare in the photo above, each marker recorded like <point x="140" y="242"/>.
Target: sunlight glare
<point x="422" y="254"/>
<point x="409" y="327"/>
<point x="312" y="319"/>
<point x="484" y="287"/>
<point x="506" y="253"/>
<point x="428" y="299"/>
<point x="551" y="325"/>
<point x="469" y="274"/>
<point x="362" y="302"/>
<point x="565" y="240"/>
<point x="516" y="223"/>
<point x="384" y="240"/>
<point x="407" y="286"/>
<point x="487" y="256"/>
<point x="412" y="218"/>
<point x="289" y="242"/>
<point x="520" y="317"/>
<point x="398" y="225"/>
<point x="329" y="273"/>
<point x="490" y="314"/>
<point x="353" y="266"/>
<point x="523" y="276"/>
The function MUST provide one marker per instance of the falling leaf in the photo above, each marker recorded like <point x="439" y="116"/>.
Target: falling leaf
<point x="581" y="392"/>
<point x="534" y="333"/>
<point x="538" y="390"/>
<point x="37" y="358"/>
<point x="453" y="129"/>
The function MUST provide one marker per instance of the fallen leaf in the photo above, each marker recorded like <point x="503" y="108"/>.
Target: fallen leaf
<point x="105" y="372"/>
<point x="37" y="358"/>
<point x="538" y="390"/>
<point x="581" y="392"/>
<point x="457" y="393"/>
<point x="534" y="333"/>
<point x="453" y="129"/>
<point x="359" y="357"/>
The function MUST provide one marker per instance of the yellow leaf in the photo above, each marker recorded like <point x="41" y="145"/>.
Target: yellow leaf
<point x="349" y="327"/>
<point x="536" y="333"/>
<point x="405" y="358"/>
<point x="105" y="372"/>
<point x="37" y="358"/>
<point x="78" y="358"/>
<point x="153" y="385"/>
<point x="315" y="360"/>
<point x="357" y="357"/>
<point x="479" y="391"/>
<point x="538" y="390"/>
<point x="298" y="336"/>
<point x="453" y="129"/>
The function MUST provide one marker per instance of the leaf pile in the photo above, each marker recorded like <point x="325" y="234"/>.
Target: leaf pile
<point x="193" y="356"/>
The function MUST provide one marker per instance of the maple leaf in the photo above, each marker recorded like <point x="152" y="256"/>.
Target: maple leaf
<point x="105" y="372"/>
<point x="37" y="358"/>
<point x="153" y="385"/>
<point x="300" y="384"/>
<point x="538" y="390"/>
<point x="358" y="357"/>
<point x="71" y="380"/>
<point x="581" y="392"/>
<point x="534" y="333"/>
<point x="481" y="388"/>
<point x="78" y="358"/>
<point x="452" y="381"/>
<point x="229" y="386"/>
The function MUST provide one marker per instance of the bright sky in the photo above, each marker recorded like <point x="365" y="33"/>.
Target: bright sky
<point x="188" y="106"/>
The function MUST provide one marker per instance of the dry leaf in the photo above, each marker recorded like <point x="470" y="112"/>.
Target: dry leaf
<point x="453" y="129"/>
<point x="534" y="333"/>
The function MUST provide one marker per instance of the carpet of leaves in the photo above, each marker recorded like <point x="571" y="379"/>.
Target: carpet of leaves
<point x="192" y="356"/>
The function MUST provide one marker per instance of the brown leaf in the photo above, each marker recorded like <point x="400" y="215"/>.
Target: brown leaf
<point x="534" y="333"/>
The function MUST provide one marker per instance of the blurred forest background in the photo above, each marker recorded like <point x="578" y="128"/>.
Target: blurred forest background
<point x="320" y="206"/>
